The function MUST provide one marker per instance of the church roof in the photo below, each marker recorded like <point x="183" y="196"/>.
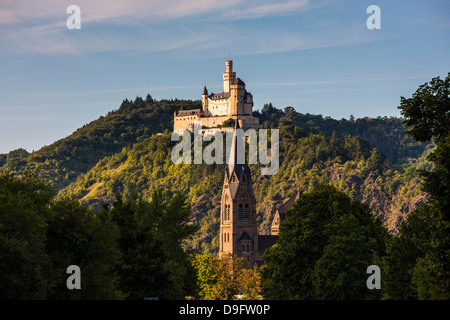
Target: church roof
<point x="288" y="205"/>
<point x="205" y="91"/>
<point x="266" y="241"/>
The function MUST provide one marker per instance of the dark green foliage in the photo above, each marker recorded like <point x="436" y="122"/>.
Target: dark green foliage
<point x="23" y="260"/>
<point x="228" y="123"/>
<point x="387" y="135"/>
<point x="413" y="242"/>
<point x="134" y="251"/>
<point x="427" y="112"/>
<point x="76" y="236"/>
<point x="427" y="116"/>
<point x="40" y="237"/>
<point x="421" y="251"/>
<point x="325" y="245"/>
<point x="154" y="263"/>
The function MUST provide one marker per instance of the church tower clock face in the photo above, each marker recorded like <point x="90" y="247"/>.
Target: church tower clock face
<point x="244" y="197"/>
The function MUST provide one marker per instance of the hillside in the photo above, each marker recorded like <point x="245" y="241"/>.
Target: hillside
<point x="371" y="159"/>
<point x="306" y="159"/>
<point x="63" y="161"/>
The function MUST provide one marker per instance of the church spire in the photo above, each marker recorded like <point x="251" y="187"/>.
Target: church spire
<point x="237" y="162"/>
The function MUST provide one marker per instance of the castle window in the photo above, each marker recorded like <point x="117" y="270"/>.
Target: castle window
<point x="246" y="212"/>
<point x="243" y="248"/>
<point x="248" y="248"/>
<point x="241" y="212"/>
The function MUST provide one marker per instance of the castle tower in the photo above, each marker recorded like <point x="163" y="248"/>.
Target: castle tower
<point x="237" y="97"/>
<point x="238" y="227"/>
<point x="228" y="76"/>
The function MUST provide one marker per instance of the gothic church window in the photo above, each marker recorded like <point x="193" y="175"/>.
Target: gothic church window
<point x="241" y="212"/>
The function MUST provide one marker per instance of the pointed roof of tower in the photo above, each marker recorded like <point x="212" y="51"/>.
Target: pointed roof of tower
<point x="205" y="91"/>
<point x="233" y="165"/>
<point x="288" y="205"/>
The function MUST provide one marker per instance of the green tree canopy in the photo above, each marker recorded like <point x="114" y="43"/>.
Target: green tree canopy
<point x="154" y="262"/>
<point x="325" y="245"/>
<point x="427" y="116"/>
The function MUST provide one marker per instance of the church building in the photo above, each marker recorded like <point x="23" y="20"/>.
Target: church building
<point x="238" y="226"/>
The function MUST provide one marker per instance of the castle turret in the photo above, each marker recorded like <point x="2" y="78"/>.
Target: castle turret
<point x="228" y="76"/>
<point x="205" y="101"/>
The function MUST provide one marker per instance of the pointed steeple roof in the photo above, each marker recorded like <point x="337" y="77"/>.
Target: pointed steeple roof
<point x="235" y="163"/>
<point x="288" y="204"/>
<point x="205" y="91"/>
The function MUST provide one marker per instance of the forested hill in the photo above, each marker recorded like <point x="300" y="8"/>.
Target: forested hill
<point x="371" y="159"/>
<point x="136" y="120"/>
<point x="63" y="161"/>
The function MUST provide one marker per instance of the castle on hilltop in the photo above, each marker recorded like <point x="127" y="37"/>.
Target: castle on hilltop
<point x="218" y="108"/>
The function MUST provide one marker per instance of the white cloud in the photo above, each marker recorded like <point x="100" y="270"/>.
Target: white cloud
<point x="269" y="9"/>
<point x="136" y="26"/>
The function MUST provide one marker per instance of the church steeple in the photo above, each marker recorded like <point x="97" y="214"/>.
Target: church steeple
<point x="238" y="227"/>
<point x="237" y="163"/>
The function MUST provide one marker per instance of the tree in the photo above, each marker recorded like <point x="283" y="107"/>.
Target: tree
<point x="23" y="260"/>
<point x="325" y="245"/>
<point x="154" y="262"/>
<point x="226" y="277"/>
<point x="206" y="267"/>
<point x="427" y="116"/>
<point x="140" y="269"/>
<point x="41" y="236"/>
<point x="408" y="273"/>
<point x="339" y="272"/>
<point x="228" y="123"/>
<point x="77" y="236"/>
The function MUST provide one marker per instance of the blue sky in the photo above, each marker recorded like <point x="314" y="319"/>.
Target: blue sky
<point x="316" y="56"/>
